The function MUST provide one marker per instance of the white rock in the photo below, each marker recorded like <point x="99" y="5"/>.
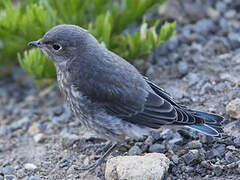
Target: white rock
<point x="233" y="108"/>
<point x="30" y="166"/>
<point x="38" y="137"/>
<point x="151" y="166"/>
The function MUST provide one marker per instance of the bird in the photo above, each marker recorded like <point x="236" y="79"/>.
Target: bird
<point x="109" y="96"/>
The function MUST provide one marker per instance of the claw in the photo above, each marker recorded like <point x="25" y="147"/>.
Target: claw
<point x="101" y="159"/>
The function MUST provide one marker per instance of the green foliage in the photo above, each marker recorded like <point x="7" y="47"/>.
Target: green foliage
<point x="107" y="20"/>
<point x="38" y="65"/>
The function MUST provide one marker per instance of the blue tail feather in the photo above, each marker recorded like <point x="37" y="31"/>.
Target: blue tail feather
<point x="212" y="123"/>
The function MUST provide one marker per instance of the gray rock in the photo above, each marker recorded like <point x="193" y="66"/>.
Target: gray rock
<point x="232" y="128"/>
<point x="6" y="170"/>
<point x="234" y="39"/>
<point x="216" y="152"/>
<point x="206" y="89"/>
<point x="231" y="148"/>
<point x="20" y="123"/>
<point x="33" y="178"/>
<point x="174" y="56"/>
<point x="162" y="61"/>
<point x="149" y="166"/>
<point x="135" y="150"/>
<point x="228" y="1"/>
<point x="175" y="159"/>
<point x="189" y="169"/>
<point x="186" y="32"/>
<point x="221" y="6"/>
<point x="176" y="140"/>
<point x="229" y="157"/>
<point x="194" y="11"/>
<point x="187" y="133"/>
<point x="161" y="51"/>
<point x="57" y="111"/>
<point x="172" y="9"/>
<point x="192" y="157"/>
<point x="223" y="23"/>
<point x="238" y="167"/>
<point x="166" y="134"/>
<point x="237" y="142"/>
<point x="194" y="144"/>
<point x="204" y="26"/>
<point x="196" y="47"/>
<point x="192" y="79"/>
<point x="216" y="46"/>
<point x="4" y="130"/>
<point x="217" y="170"/>
<point x="158" y="148"/>
<point x="207" y="139"/>
<point x="230" y="14"/>
<point x="182" y="67"/>
<point x="10" y="177"/>
<point x="236" y="26"/>
<point x="221" y="149"/>
<point x="173" y="43"/>
<point x="227" y="76"/>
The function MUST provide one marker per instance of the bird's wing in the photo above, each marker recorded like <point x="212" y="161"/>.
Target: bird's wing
<point x="112" y="82"/>
<point x="159" y="109"/>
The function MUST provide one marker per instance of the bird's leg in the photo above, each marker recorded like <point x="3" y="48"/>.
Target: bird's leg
<point x="101" y="146"/>
<point x="101" y="159"/>
<point x="105" y="146"/>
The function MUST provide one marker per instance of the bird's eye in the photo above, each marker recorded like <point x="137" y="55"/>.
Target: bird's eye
<point x="56" y="47"/>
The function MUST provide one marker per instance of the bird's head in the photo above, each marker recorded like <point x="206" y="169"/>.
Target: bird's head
<point x="63" y="42"/>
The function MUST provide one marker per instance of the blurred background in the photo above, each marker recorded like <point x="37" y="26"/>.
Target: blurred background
<point x="188" y="47"/>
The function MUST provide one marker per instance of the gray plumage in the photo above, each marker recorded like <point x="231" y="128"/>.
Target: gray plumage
<point x="108" y="95"/>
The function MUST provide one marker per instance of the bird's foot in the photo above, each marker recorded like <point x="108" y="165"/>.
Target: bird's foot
<point x="109" y="148"/>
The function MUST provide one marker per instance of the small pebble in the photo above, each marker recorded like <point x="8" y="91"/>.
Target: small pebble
<point x="191" y="158"/>
<point x="217" y="170"/>
<point x="10" y="177"/>
<point x="230" y="14"/>
<point x="39" y="138"/>
<point x="159" y="148"/>
<point x="30" y="166"/>
<point x="33" y="178"/>
<point x="135" y="150"/>
<point x="182" y="67"/>
<point x="194" y="145"/>
<point x="175" y="159"/>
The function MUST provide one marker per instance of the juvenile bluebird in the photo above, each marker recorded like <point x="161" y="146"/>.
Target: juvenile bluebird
<point x="109" y="96"/>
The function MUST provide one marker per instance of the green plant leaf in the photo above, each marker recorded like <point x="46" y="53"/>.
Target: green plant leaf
<point x="107" y="20"/>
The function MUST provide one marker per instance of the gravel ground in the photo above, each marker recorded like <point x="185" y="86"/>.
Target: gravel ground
<point x="200" y="67"/>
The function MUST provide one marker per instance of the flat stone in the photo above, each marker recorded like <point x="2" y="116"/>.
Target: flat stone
<point x="149" y="166"/>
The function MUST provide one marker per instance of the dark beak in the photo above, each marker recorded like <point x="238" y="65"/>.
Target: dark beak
<point x="34" y="43"/>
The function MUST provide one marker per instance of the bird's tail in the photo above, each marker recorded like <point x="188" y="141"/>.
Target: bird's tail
<point x="212" y="123"/>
